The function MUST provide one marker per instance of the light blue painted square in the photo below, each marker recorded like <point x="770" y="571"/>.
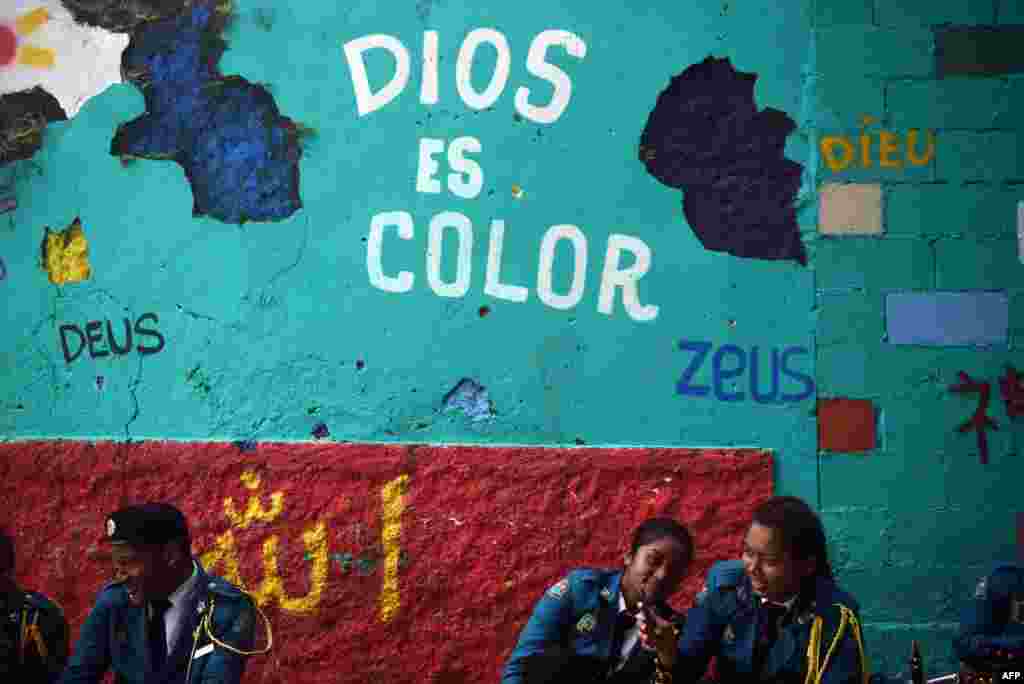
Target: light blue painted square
<point x="947" y="319"/>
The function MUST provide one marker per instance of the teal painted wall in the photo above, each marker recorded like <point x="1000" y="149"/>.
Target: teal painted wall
<point x="273" y="328"/>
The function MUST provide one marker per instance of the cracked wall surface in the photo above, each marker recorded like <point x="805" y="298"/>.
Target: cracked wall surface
<point x="497" y="266"/>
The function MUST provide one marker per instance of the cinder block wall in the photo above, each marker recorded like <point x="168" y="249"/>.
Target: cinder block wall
<point x="915" y="521"/>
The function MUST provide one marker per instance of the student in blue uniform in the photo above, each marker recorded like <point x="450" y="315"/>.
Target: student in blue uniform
<point x="777" y="615"/>
<point x="991" y="637"/>
<point x="33" y="631"/>
<point x="163" y="619"/>
<point x="584" y="627"/>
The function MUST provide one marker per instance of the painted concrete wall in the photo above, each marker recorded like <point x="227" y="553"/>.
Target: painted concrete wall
<point x="646" y="247"/>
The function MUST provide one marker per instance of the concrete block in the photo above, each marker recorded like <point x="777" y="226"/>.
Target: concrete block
<point x="832" y="12"/>
<point x="850" y="209"/>
<point x="977" y="265"/>
<point x="950" y="210"/>
<point x="859" y="51"/>
<point x="930" y="13"/>
<point x="990" y="156"/>
<point x="947" y="319"/>
<point x="949" y="103"/>
<point x="979" y="50"/>
<point x="873" y="263"/>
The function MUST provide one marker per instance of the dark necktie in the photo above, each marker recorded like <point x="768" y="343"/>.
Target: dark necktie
<point x="622" y="625"/>
<point x="771" y="615"/>
<point x="156" y="632"/>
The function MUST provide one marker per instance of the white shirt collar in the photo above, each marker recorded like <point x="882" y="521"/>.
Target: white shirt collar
<point x="186" y="587"/>
<point x="787" y="604"/>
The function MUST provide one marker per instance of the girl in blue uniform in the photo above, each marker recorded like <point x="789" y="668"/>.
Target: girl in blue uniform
<point x="585" y="628"/>
<point x="776" y="615"/>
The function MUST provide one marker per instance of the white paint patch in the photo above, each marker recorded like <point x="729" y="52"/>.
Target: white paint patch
<point x="72" y="62"/>
<point x="1020" y="231"/>
<point x="850" y="209"/>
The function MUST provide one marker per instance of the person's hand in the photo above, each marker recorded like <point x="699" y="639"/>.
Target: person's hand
<point x="657" y="635"/>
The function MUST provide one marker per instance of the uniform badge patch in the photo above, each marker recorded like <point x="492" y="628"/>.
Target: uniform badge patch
<point x="728" y="636"/>
<point x="558" y="589"/>
<point x="586" y="624"/>
<point x="981" y="591"/>
<point x="200" y="607"/>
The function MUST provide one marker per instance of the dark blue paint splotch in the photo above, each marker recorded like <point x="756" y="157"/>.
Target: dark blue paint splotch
<point x="3" y="270"/>
<point x="239" y="154"/>
<point x="706" y="137"/>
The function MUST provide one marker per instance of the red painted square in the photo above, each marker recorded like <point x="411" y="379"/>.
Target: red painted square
<point x="846" y="425"/>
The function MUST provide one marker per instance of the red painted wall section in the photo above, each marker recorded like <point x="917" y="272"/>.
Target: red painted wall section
<point x="376" y="562"/>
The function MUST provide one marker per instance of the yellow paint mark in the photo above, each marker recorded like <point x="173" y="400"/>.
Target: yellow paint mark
<point x="250" y="479"/>
<point x="40" y="58"/>
<point x="391" y="537"/>
<point x="271" y="587"/>
<point x="66" y="255"/>
<point x="867" y="120"/>
<point x="886" y="148"/>
<point x="517" y="192"/>
<point x="29" y="22"/>
<point x="223" y="552"/>
<point x="254" y="511"/>
<point x="912" y="143"/>
<point x="828" y="146"/>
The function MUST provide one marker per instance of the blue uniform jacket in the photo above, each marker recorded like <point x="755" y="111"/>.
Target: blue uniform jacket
<point x="39" y="636"/>
<point x="578" y="613"/>
<point x="992" y="625"/>
<point x="725" y="624"/>
<point x="114" y="637"/>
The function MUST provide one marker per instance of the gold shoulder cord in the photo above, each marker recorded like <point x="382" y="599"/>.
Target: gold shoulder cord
<point x="204" y="625"/>
<point x="815" y="671"/>
<point x="663" y="675"/>
<point x="31" y="632"/>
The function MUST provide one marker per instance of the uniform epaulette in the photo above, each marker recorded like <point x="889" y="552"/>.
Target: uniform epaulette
<point x="725" y="575"/>
<point x="223" y="588"/>
<point x="42" y="603"/>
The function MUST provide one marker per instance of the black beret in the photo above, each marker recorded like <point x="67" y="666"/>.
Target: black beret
<point x="146" y="524"/>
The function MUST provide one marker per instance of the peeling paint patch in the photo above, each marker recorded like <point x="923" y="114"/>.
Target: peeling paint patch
<point x="66" y="254"/>
<point x="706" y="137"/>
<point x="199" y="381"/>
<point x="470" y="398"/>
<point x="245" y="445"/>
<point x="49" y="49"/>
<point x="239" y="154"/>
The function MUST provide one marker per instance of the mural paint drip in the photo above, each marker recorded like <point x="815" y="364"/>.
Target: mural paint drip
<point x="470" y="398"/>
<point x="706" y="137"/>
<point x="239" y="154"/>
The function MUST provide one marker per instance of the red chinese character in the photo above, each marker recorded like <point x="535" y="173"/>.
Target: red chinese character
<point x="979" y="422"/>
<point x="1011" y="386"/>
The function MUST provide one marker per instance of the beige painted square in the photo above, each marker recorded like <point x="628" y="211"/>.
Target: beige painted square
<point x="850" y="209"/>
